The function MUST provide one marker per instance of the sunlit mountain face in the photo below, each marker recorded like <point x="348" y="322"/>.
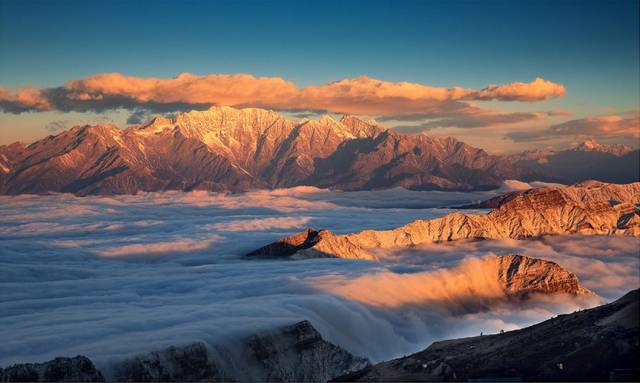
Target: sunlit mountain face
<point x="350" y="191"/>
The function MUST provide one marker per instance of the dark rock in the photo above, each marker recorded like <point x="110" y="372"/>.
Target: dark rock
<point x="295" y="353"/>
<point x="187" y="364"/>
<point x="298" y="353"/>
<point x="598" y="344"/>
<point x="77" y="369"/>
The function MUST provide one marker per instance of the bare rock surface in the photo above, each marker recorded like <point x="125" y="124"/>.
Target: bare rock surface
<point x="188" y="364"/>
<point x="520" y="276"/>
<point x="589" y="208"/>
<point x="298" y="353"/>
<point x="598" y="344"/>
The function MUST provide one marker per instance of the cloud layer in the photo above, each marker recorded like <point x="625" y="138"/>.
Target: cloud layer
<point x="109" y="277"/>
<point x="360" y="95"/>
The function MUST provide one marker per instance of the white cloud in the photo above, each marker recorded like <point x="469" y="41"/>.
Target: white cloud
<point x="176" y="275"/>
<point x="158" y="248"/>
<point x="261" y="224"/>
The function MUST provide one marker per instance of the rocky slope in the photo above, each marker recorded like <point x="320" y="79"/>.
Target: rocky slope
<point x="227" y="149"/>
<point x="597" y="344"/>
<point x="77" y="369"/>
<point x="295" y="353"/>
<point x="588" y="208"/>
<point x="589" y="160"/>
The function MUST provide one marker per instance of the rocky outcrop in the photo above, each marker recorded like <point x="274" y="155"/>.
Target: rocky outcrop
<point x="76" y="369"/>
<point x="295" y="353"/>
<point x="175" y="364"/>
<point x="520" y="276"/>
<point x="597" y="344"/>
<point x="312" y="243"/>
<point x="589" y="208"/>
<point x="298" y="353"/>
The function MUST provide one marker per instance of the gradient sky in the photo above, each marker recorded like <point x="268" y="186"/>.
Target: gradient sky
<point x="590" y="47"/>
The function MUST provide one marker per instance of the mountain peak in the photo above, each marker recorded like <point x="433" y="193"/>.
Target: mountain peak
<point x="156" y="125"/>
<point x="591" y="145"/>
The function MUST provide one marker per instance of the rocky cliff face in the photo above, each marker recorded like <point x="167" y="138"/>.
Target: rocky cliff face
<point x="77" y="369"/>
<point x="588" y="208"/>
<point x="592" y="345"/>
<point x="188" y="364"/>
<point x="520" y="276"/>
<point x="227" y="149"/>
<point x="297" y="353"/>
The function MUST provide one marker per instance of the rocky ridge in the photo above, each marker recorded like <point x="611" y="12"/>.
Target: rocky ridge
<point x="76" y="369"/>
<point x="598" y="344"/>
<point x="588" y="208"/>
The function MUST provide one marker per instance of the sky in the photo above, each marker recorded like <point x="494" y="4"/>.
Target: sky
<point x="501" y="75"/>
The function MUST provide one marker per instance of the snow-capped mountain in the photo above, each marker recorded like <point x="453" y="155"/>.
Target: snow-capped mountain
<point x="228" y="149"/>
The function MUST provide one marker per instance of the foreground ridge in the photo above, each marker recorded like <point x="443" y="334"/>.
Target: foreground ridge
<point x="293" y="353"/>
<point x="597" y="344"/>
<point x="588" y="208"/>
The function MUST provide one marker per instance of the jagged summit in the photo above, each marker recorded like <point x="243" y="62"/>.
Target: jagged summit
<point x="615" y="149"/>
<point x="520" y="276"/>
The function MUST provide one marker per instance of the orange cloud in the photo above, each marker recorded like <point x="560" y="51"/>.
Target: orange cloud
<point x="537" y="90"/>
<point x="186" y="88"/>
<point x="475" y="278"/>
<point x="23" y="99"/>
<point x="360" y="95"/>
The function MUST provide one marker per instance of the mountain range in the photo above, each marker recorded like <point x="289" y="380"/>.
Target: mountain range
<point x="228" y="149"/>
<point x="588" y="160"/>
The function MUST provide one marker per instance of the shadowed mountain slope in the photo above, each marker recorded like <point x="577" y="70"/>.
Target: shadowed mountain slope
<point x="598" y="344"/>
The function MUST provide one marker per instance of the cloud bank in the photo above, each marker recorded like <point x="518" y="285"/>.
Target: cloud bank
<point x="361" y="95"/>
<point x="109" y="277"/>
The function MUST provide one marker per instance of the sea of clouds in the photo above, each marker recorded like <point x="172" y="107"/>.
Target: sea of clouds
<point x="109" y="277"/>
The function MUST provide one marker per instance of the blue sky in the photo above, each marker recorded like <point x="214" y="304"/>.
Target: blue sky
<point x="591" y="47"/>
